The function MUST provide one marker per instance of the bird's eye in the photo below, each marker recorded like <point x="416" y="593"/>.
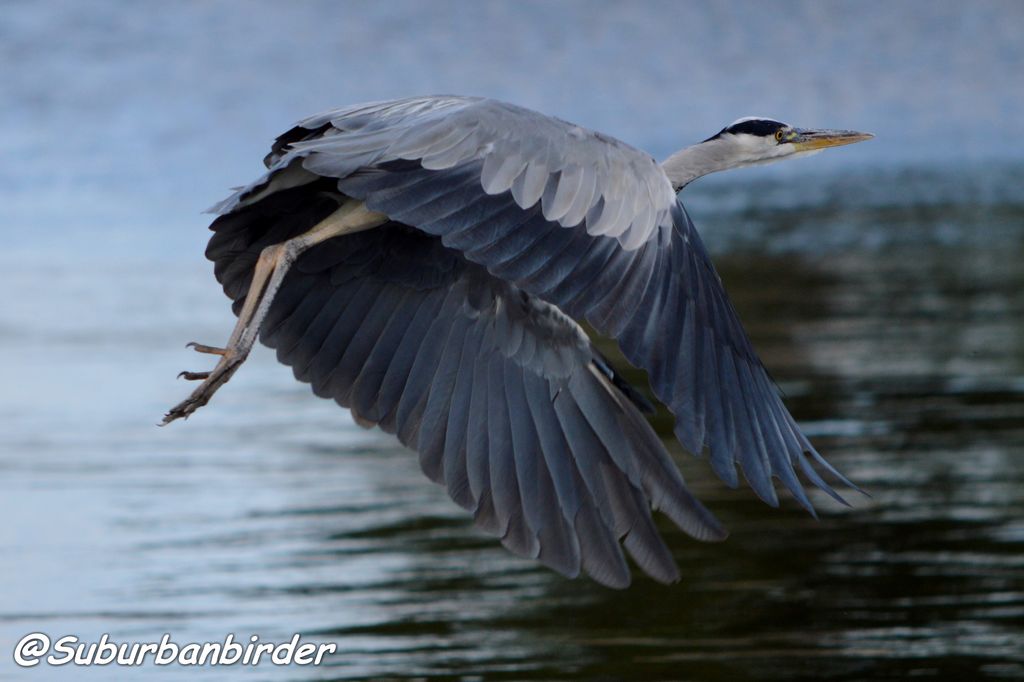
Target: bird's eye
<point x="778" y="135"/>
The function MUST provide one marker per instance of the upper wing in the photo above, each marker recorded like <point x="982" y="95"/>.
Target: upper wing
<point x="574" y="174"/>
<point x="501" y="393"/>
<point x="634" y="267"/>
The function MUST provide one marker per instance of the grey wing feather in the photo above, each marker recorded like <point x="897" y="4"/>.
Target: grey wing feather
<point x="500" y="392"/>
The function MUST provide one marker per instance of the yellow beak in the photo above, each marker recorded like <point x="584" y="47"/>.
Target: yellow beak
<point x="807" y="140"/>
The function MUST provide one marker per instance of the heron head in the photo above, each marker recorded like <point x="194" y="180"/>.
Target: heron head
<point x="753" y="140"/>
<point x="750" y="141"/>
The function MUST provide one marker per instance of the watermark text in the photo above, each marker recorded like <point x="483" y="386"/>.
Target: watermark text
<point x="37" y="647"/>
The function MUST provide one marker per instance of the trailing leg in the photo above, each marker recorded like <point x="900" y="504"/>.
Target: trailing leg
<point x="271" y="267"/>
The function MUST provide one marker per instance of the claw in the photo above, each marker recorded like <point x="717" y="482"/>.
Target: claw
<point x="212" y="380"/>
<point x="201" y="348"/>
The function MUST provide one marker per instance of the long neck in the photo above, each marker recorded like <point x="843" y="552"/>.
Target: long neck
<point x="694" y="162"/>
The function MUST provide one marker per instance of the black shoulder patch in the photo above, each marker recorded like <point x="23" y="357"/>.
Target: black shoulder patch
<point x="296" y="134"/>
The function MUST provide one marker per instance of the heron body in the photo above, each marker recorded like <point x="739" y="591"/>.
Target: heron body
<point x="424" y="263"/>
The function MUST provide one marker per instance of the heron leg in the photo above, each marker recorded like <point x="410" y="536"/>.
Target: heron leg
<point x="271" y="267"/>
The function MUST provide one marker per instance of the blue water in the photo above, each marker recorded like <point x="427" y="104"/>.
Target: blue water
<point x="882" y="284"/>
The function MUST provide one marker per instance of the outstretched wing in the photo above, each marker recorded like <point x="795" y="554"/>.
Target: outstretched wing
<point x="583" y="222"/>
<point x="501" y="394"/>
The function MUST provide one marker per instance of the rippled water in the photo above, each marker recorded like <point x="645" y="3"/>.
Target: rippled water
<point x="270" y="512"/>
<point x="887" y="299"/>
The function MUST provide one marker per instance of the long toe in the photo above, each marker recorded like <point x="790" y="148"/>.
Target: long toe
<point x="201" y="348"/>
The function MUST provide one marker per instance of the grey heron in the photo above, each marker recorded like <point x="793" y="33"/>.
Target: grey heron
<point x="424" y="263"/>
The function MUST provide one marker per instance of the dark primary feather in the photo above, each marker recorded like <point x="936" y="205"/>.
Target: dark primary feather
<point x="503" y="396"/>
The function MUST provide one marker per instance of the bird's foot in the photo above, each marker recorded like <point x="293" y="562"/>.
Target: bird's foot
<point x="230" y="361"/>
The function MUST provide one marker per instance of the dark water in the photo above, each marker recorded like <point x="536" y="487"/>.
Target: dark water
<point x="887" y="298"/>
<point x="271" y="513"/>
